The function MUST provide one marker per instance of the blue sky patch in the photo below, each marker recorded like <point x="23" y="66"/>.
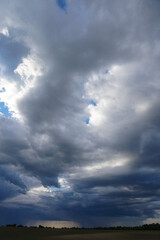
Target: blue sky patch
<point x="55" y="189"/>
<point x="4" y="110"/>
<point x="3" y="90"/>
<point x="107" y="71"/>
<point x="62" y="4"/>
<point x="92" y="102"/>
<point x="86" y="120"/>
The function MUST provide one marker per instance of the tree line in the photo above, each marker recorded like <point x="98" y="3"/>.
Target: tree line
<point x="153" y="226"/>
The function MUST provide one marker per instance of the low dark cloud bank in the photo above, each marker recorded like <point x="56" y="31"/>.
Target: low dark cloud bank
<point x="81" y="81"/>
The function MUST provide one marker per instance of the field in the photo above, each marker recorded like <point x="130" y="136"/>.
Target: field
<point x="12" y="233"/>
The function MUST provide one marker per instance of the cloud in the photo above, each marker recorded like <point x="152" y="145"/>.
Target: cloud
<point x="53" y="79"/>
<point x="151" y="220"/>
<point x="5" y="31"/>
<point x="11" y="183"/>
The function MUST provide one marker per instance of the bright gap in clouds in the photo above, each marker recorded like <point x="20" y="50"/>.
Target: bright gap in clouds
<point x="85" y="120"/>
<point x="4" y="109"/>
<point x="56" y="224"/>
<point x="63" y="185"/>
<point x="90" y="103"/>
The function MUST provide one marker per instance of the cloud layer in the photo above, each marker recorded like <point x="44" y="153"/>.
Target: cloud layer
<point x="81" y="83"/>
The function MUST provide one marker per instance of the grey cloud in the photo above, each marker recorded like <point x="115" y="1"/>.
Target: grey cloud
<point x="13" y="140"/>
<point x="11" y="54"/>
<point x="11" y="183"/>
<point x="10" y="175"/>
<point x="53" y="141"/>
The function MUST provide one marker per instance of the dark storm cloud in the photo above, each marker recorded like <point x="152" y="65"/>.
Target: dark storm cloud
<point x="11" y="183"/>
<point x="51" y="143"/>
<point x="11" y="176"/>
<point x="12" y="141"/>
<point x="19" y="215"/>
<point x="96" y="208"/>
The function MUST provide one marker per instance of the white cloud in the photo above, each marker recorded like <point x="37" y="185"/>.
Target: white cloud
<point x="29" y="70"/>
<point x="118" y="161"/>
<point x="4" y="31"/>
<point x="151" y="220"/>
<point x="63" y="183"/>
<point x="33" y="196"/>
<point x="141" y="108"/>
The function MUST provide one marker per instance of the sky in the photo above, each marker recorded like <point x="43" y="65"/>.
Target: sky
<point x="80" y="112"/>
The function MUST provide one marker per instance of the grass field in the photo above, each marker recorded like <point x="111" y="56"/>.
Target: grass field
<point x="12" y="233"/>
